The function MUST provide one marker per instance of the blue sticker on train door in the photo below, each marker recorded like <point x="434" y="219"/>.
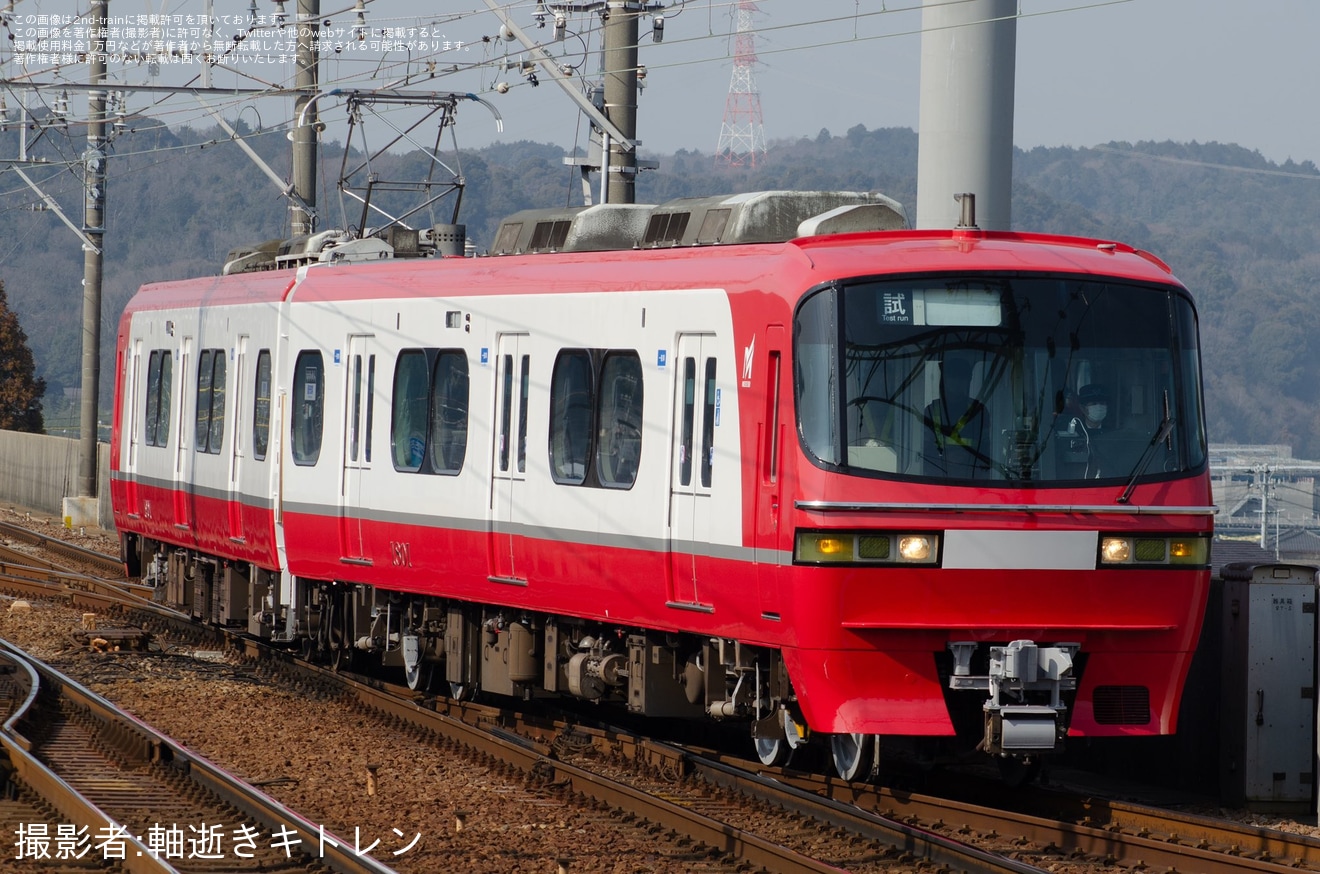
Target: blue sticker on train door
<point x="661" y="357"/>
<point x="485" y="356"/>
<point x="717" y="408"/>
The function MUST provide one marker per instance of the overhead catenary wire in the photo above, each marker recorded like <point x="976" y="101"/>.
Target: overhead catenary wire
<point x="428" y="66"/>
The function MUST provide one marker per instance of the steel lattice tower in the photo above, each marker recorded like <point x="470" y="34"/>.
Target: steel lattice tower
<point x="742" y="135"/>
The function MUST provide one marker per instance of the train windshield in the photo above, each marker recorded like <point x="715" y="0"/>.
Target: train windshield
<point x="1019" y="380"/>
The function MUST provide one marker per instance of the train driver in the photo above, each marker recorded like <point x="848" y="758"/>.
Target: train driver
<point x="1095" y="406"/>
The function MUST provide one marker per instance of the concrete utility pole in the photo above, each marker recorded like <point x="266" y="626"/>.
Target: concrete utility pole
<point x="968" y="58"/>
<point x="620" y="53"/>
<point x="305" y="135"/>
<point x="82" y="510"/>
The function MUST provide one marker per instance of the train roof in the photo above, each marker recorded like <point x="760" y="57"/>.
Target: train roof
<point x="757" y="241"/>
<point x="795" y="265"/>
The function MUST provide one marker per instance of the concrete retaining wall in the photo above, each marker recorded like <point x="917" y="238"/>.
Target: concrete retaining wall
<point x="38" y="472"/>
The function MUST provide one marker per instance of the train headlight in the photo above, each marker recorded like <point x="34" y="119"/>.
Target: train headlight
<point x="1153" y="550"/>
<point x="865" y="547"/>
<point x="914" y="547"/>
<point x="1115" y="550"/>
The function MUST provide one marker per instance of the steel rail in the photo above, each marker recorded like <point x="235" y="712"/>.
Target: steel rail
<point x="536" y="759"/>
<point x="338" y="853"/>
<point x="108" y="562"/>
<point x="75" y="807"/>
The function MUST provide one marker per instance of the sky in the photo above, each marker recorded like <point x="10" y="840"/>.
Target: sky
<point x="1087" y="71"/>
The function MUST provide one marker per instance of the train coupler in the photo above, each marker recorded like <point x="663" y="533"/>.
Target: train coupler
<point x="1024" y="713"/>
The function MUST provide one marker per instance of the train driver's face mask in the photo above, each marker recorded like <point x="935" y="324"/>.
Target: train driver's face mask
<point x="1096" y="412"/>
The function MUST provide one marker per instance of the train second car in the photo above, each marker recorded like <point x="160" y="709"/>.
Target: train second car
<point x="834" y="481"/>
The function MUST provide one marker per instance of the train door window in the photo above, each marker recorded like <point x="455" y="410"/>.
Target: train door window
<point x="241" y="358"/>
<point x="525" y="384"/>
<point x="408" y="428"/>
<point x="261" y="407"/>
<point x="371" y="407"/>
<point x="619" y="428"/>
<point x="506" y="409"/>
<point x="449" y="412"/>
<point x="355" y="387"/>
<point x="359" y="404"/>
<point x="572" y="403"/>
<point x="708" y="413"/>
<point x="689" y="417"/>
<point x="159" y="375"/>
<point x="306" y="423"/>
<point x="210" y="400"/>
<point x="772" y="418"/>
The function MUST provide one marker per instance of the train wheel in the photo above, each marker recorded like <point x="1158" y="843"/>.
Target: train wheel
<point x="341" y="641"/>
<point x="772" y="751"/>
<point x="777" y="751"/>
<point x="342" y="658"/>
<point x="852" y="754"/>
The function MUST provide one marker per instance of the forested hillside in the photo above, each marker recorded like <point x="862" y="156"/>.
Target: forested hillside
<point x="1240" y="231"/>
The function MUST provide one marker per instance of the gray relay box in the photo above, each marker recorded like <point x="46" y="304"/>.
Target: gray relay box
<point x="1268" y="734"/>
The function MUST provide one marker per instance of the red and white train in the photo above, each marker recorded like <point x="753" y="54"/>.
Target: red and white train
<point x="771" y="458"/>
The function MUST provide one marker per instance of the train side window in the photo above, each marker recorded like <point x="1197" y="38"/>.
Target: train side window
<point x="306" y="423"/>
<point x="261" y="407"/>
<point x="157" y="395"/>
<point x="449" y="412"/>
<point x="151" y="415"/>
<point x="708" y="425"/>
<point x="572" y="403"/>
<point x="408" y="428"/>
<point x="217" y="403"/>
<point x="210" y="400"/>
<point x="203" y="422"/>
<point x="159" y="378"/>
<point x="619" y="427"/>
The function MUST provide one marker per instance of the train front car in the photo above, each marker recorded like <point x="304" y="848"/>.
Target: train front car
<point x="1001" y="524"/>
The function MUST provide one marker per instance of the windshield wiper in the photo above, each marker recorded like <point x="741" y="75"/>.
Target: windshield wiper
<point x="1161" y="434"/>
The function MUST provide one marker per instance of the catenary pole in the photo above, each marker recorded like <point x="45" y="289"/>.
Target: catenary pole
<point x="94" y="179"/>
<point x="620" y="53"/>
<point x="307" y="83"/>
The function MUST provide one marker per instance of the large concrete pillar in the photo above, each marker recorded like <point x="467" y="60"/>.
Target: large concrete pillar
<point x="968" y="60"/>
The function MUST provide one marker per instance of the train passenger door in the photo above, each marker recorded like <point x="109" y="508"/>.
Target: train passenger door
<point x="235" y="501"/>
<point x="696" y="404"/>
<point x="183" y="457"/>
<point x="509" y="455"/>
<point x="359" y="385"/>
<point x="772" y="540"/>
<point x="132" y="433"/>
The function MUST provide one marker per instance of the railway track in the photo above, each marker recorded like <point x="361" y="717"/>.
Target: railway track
<point x="688" y="813"/>
<point x="125" y="792"/>
<point x="94" y="562"/>
<point x="693" y="792"/>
